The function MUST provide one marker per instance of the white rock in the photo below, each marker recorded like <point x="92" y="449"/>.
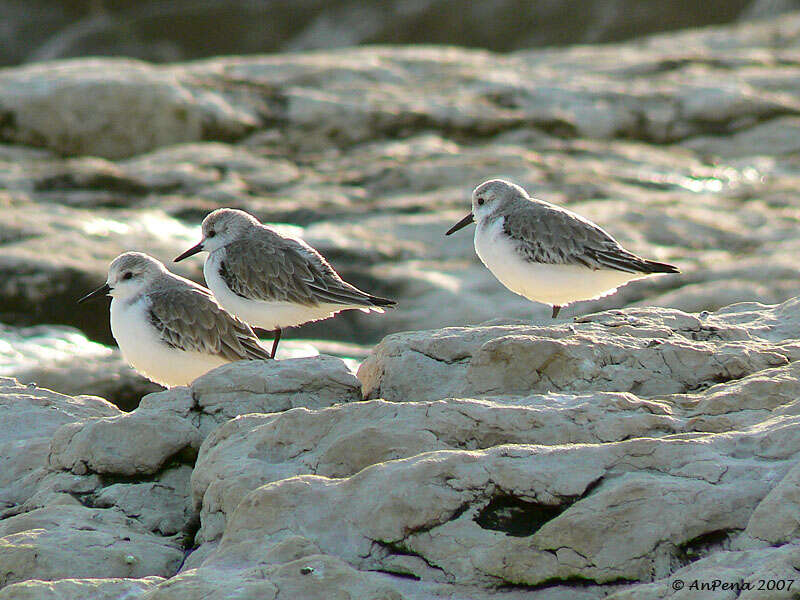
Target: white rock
<point x="524" y="514"/>
<point x="275" y="386"/>
<point x="661" y="352"/>
<point x="29" y="416"/>
<point x="132" y="443"/>
<point x="162" y="505"/>
<point x="171" y="425"/>
<point x="80" y="589"/>
<point x="253" y="450"/>
<point x="143" y="107"/>
<point x="77" y="542"/>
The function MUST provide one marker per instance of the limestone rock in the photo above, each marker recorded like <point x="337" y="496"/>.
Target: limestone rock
<point x="29" y="416"/>
<point x="139" y="442"/>
<point x="295" y="568"/>
<point x="253" y="450"/>
<point x="776" y="519"/>
<point x="145" y="108"/>
<point x="523" y="486"/>
<point x="524" y="514"/>
<point x="528" y="486"/>
<point x="171" y="425"/>
<point x="80" y="589"/>
<point x="77" y="542"/>
<point x="162" y="505"/>
<point x="652" y="352"/>
<point x="274" y="386"/>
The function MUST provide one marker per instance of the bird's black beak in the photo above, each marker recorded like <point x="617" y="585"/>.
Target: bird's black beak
<point x="190" y="252"/>
<point x="101" y="291"/>
<point x="461" y="224"/>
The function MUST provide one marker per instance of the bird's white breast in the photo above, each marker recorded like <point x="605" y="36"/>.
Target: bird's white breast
<point x="258" y="313"/>
<point x="142" y="348"/>
<point x="551" y="284"/>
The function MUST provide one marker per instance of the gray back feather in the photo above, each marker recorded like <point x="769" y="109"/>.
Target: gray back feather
<point x="266" y="266"/>
<point x="549" y="234"/>
<point x="189" y="318"/>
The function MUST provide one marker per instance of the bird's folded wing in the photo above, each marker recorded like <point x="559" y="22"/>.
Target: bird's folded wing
<point x="281" y="270"/>
<point x="551" y="235"/>
<point x="190" y="319"/>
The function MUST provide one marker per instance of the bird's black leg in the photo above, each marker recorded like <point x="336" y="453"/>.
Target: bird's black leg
<point x="277" y="333"/>
<point x="556" y="308"/>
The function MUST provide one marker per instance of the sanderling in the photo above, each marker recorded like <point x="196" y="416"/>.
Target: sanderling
<point x="168" y="328"/>
<point x="547" y="253"/>
<point x="269" y="280"/>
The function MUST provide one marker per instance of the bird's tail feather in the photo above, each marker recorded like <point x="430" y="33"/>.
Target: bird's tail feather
<point x="378" y="301"/>
<point x="659" y="267"/>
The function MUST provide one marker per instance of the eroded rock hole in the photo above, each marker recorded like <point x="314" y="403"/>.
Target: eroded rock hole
<point x="517" y="517"/>
<point x="703" y="545"/>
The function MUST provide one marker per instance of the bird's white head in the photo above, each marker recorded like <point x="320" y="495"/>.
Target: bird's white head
<point x="488" y="198"/>
<point x="129" y="275"/>
<point x="494" y="195"/>
<point x="220" y="228"/>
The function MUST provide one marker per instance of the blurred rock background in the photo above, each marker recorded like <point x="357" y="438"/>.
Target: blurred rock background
<point x="159" y="31"/>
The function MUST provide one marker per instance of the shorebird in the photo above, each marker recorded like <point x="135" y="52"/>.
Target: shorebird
<point x="272" y="281"/>
<point x="546" y="253"/>
<point x="168" y="328"/>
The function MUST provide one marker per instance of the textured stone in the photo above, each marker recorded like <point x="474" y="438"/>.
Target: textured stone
<point x="143" y="108"/>
<point x="275" y="386"/>
<point x="139" y="442"/>
<point x="776" y="520"/>
<point x="77" y="542"/>
<point x="171" y="425"/>
<point x="253" y="450"/>
<point x="162" y="505"/>
<point x="29" y="416"/>
<point x="652" y="352"/>
<point x="525" y="486"/>
<point x="524" y="514"/>
<point x="80" y="589"/>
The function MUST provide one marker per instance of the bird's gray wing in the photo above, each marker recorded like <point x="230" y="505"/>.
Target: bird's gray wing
<point x="271" y="268"/>
<point x="187" y="317"/>
<point x="548" y="234"/>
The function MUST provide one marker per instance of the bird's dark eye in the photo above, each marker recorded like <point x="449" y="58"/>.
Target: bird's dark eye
<point x="212" y="233"/>
<point x="480" y="201"/>
<point x="127" y="275"/>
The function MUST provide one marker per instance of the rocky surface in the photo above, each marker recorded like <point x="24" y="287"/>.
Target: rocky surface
<point x="80" y="589"/>
<point x="108" y="494"/>
<point x="29" y="418"/>
<point x="607" y="456"/>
